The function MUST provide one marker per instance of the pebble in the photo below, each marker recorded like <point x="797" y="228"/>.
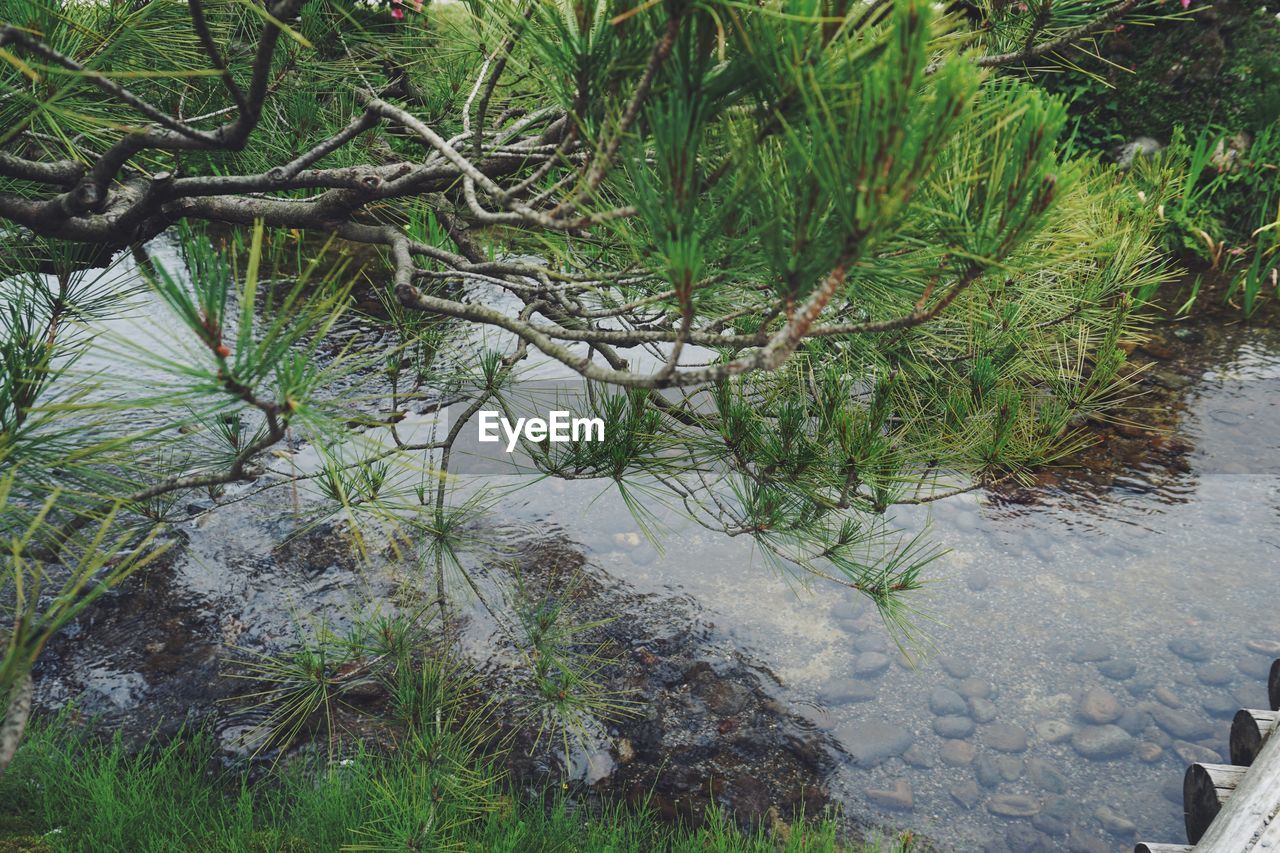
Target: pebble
<point x="956" y="667"/>
<point x="627" y="540"/>
<point x="1054" y="731"/>
<point x="1010" y="767"/>
<point x="958" y="753"/>
<point x="872" y="642"/>
<point x="1149" y="752"/>
<point x="1114" y="822"/>
<point x="1091" y="651"/>
<point x="849" y="692"/>
<point x="953" y="727"/>
<point x="1181" y="724"/>
<point x="982" y="710"/>
<point x="1050" y="825"/>
<point x="966" y="794"/>
<point x="1190" y="649"/>
<point x="1080" y="841"/>
<point x="1102" y="742"/>
<point x="1254" y="667"/>
<point x="974" y="687"/>
<point x="977" y="580"/>
<point x="869" y="743"/>
<point x="1140" y="685"/>
<point x="1118" y="670"/>
<point x="1134" y="721"/>
<point x="986" y="771"/>
<point x="1270" y="648"/>
<point x="1220" y="706"/>
<point x="870" y="663"/>
<point x="1171" y="788"/>
<point x="897" y="797"/>
<point x="1098" y="706"/>
<point x="1046" y="776"/>
<point x="1013" y="805"/>
<point x="1024" y="839"/>
<point x="1167" y="697"/>
<point x="917" y="757"/>
<point x="1005" y="737"/>
<point x="947" y="703"/>
<point x="1193" y="753"/>
<point x="1215" y="674"/>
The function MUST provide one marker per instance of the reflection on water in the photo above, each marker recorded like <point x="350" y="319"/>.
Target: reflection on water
<point x="1095" y="632"/>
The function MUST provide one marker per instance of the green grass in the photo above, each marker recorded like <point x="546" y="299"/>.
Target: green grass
<point x="69" y="791"/>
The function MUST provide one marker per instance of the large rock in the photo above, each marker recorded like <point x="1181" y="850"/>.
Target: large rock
<point x="953" y="727"/>
<point x="1102" y="742"/>
<point x="1183" y="725"/>
<point x="1099" y="707"/>
<point x="946" y="703"/>
<point x="1005" y="737"/>
<point x="870" y="742"/>
<point x="1013" y="805"/>
<point x="896" y="797"/>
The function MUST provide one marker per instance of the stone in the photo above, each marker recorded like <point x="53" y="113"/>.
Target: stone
<point x="977" y="580"/>
<point x="1117" y="670"/>
<point x="1091" y="651"/>
<point x="1134" y="721"/>
<point x="1220" y="706"/>
<point x="869" y="743"/>
<point x="1050" y="825"/>
<point x="1045" y="776"/>
<point x="953" y="727"/>
<point x="1054" y="731"/>
<point x="1098" y="706"/>
<point x="982" y="710"/>
<point x="917" y="757"/>
<point x="627" y="540"/>
<point x="1005" y="737"/>
<point x="1140" y="685"/>
<point x="986" y="771"/>
<point x="956" y="667"/>
<point x="1167" y="697"/>
<point x="947" y="703"/>
<point x="1181" y="724"/>
<point x="1114" y="822"/>
<point x="1215" y="674"/>
<point x="1013" y="805"/>
<point x="1254" y="667"/>
<point x="896" y="797"/>
<point x="1149" y="752"/>
<point x="1171" y="789"/>
<point x="966" y="794"/>
<point x="971" y="687"/>
<point x="1010" y="767"/>
<point x="1080" y="841"/>
<point x="850" y="692"/>
<point x="870" y="664"/>
<point x="1270" y="648"/>
<point x="1194" y="753"/>
<point x="1102" y="742"/>
<point x="958" y="753"/>
<point x="1189" y="648"/>
<point x="1025" y="839"/>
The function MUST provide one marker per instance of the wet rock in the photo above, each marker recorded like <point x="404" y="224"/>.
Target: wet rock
<point x="1080" y="841"/>
<point x="1054" y="731"/>
<point x="869" y="743"/>
<point x="918" y="758"/>
<point x="1215" y="674"/>
<point x="953" y="727"/>
<point x="1028" y="840"/>
<point x="956" y="667"/>
<point x="1181" y="724"/>
<point x="850" y="692"/>
<point x="870" y="664"/>
<point x="1118" y="670"/>
<point x="628" y="540"/>
<point x="1098" y="706"/>
<point x="872" y="642"/>
<point x="974" y="687"/>
<point x="958" y="753"/>
<point x="1091" y="651"/>
<point x="947" y="703"/>
<point x="1135" y="721"/>
<point x="625" y="751"/>
<point x="1171" y="789"/>
<point x="982" y="710"/>
<point x="977" y="580"/>
<point x="1190" y="648"/>
<point x="1149" y="752"/>
<point x="1194" y="753"/>
<point x="721" y="695"/>
<point x="1114" y="822"/>
<point x="966" y="794"/>
<point x="1253" y="666"/>
<point x="1045" y="776"/>
<point x="1140" y="685"/>
<point x="1005" y="737"/>
<point x="1102" y="742"/>
<point x="896" y="797"/>
<point x="1013" y="805"/>
<point x="1269" y="648"/>
<point x="1166" y="697"/>
<point x="986" y="771"/>
<point x="1050" y="825"/>
<point x="1010" y="767"/>
<point x="1220" y="706"/>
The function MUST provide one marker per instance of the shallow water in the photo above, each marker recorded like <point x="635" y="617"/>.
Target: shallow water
<point x="1140" y="577"/>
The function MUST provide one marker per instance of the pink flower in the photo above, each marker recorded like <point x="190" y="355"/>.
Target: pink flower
<point x="1186" y="3"/>
<point x="397" y="12"/>
<point x="417" y="5"/>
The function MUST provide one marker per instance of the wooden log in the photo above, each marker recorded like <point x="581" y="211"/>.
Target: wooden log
<point x="1205" y="789"/>
<point x="1147" y="847"/>
<point x="1248" y="731"/>
<point x="1273" y="685"/>
<point x="1247" y="822"/>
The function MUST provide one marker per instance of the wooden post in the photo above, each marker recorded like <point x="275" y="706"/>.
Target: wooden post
<point x="1273" y="685"/>
<point x="1248" y="731"/>
<point x="1205" y="789"/>
<point x="1248" y="818"/>
<point x="1146" y="847"/>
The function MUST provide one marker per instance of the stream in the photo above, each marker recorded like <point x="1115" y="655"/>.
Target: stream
<point x="1094" y="631"/>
